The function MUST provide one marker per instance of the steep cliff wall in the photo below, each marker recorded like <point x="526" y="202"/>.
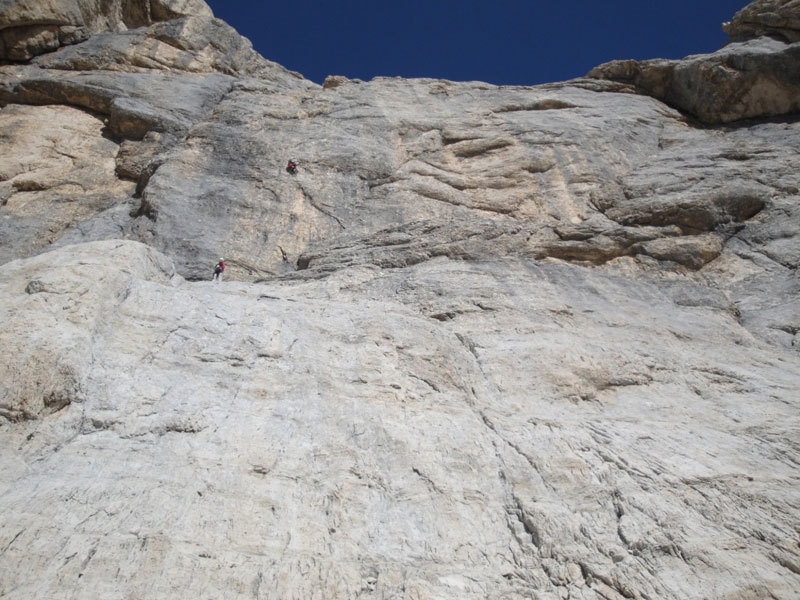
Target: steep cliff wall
<point x="489" y="342"/>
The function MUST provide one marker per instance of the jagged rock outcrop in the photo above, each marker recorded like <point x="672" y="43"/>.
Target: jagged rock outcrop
<point x="30" y="28"/>
<point x="756" y="75"/>
<point x="140" y="91"/>
<point x="489" y="342"/>
<point x="774" y="18"/>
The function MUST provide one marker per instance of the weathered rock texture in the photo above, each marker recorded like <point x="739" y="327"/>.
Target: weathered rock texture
<point x="775" y="18"/>
<point x="32" y="27"/>
<point x="756" y="75"/>
<point x="489" y="342"/>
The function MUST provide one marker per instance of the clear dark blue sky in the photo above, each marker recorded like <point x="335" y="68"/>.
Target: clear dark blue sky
<point x="520" y="42"/>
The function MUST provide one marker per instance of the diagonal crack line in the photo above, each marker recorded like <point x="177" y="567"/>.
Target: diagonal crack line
<point x="426" y="381"/>
<point x="470" y="345"/>
<point x="316" y="205"/>
<point x="14" y="539"/>
<point x="427" y="480"/>
<point x="532" y="463"/>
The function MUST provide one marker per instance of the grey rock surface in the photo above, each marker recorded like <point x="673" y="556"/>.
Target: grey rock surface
<point x="72" y="292"/>
<point x="188" y="44"/>
<point x="777" y="18"/>
<point x="57" y="170"/>
<point x="756" y="75"/>
<point x="481" y="429"/>
<point x="750" y="79"/>
<point x="29" y="28"/>
<point x="488" y="342"/>
<point x="472" y="162"/>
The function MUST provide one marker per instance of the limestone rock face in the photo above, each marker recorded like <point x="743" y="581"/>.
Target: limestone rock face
<point x="488" y="342"/>
<point x="480" y="429"/>
<point x="744" y="80"/>
<point x="51" y="320"/>
<point x="189" y="44"/>
<point x="57" y="170"/>
<point x="756" y="75"/>
<point x="32" y="27"/>
<point x="513" y="169"/>
<point x="777" y="18"/>
<point x="130" y="96"/>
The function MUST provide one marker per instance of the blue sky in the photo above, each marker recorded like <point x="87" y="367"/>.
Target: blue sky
<point x="502" y="42"/>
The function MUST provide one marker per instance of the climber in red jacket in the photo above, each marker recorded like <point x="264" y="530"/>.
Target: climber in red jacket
<point x="218" y="269"/>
